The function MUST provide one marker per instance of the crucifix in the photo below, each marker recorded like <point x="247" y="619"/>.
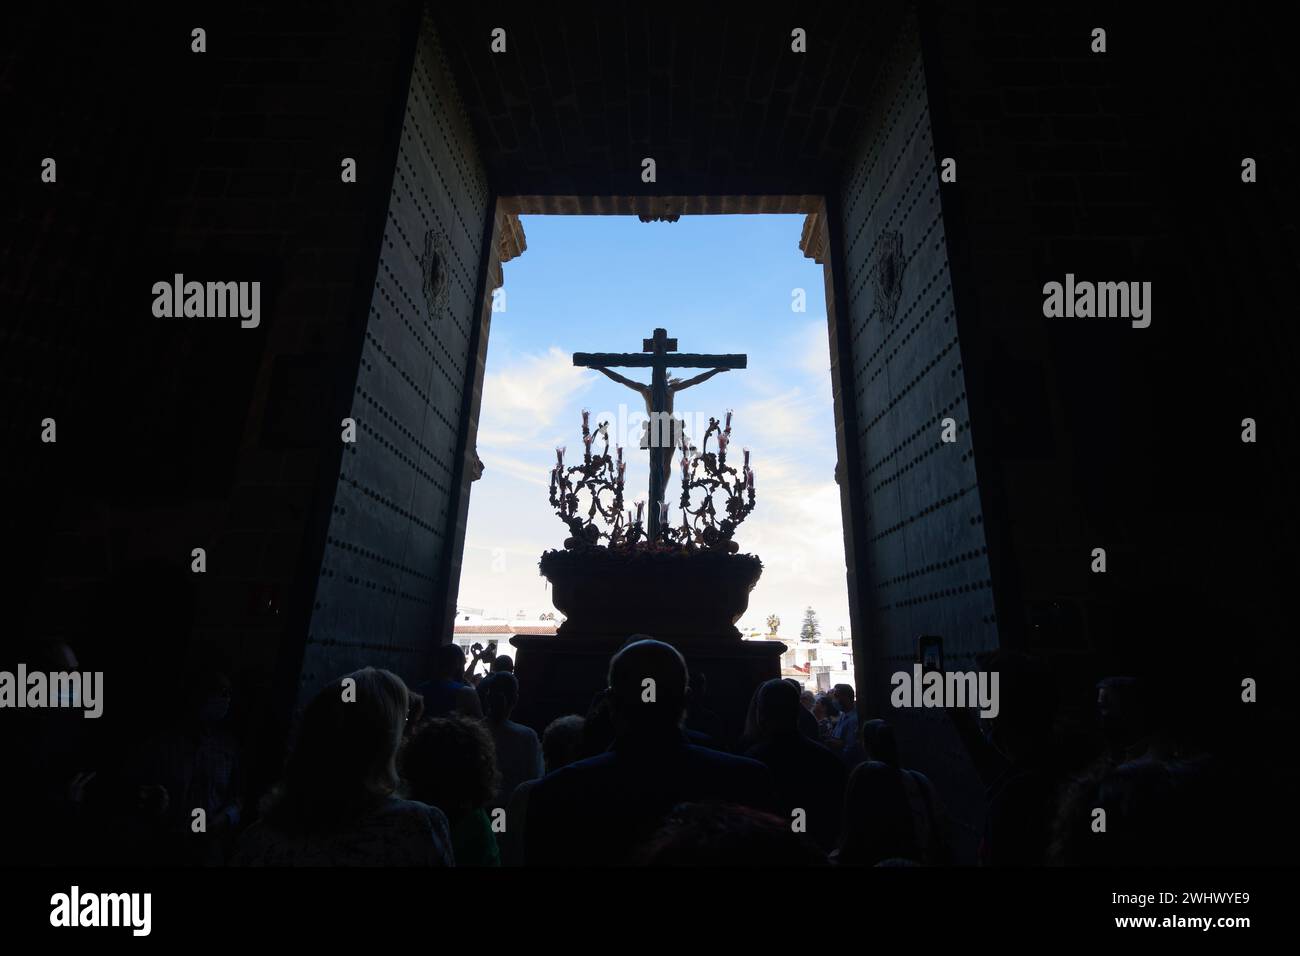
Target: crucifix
<point x="658" y="395"/>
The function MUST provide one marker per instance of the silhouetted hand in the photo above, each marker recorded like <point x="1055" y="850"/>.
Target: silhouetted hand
<point x="77" y="786"/>
<point x="153" y="799"/>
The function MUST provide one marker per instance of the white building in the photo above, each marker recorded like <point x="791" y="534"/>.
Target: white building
<point x="473" y="627"/>
<point x="818" y="665"/>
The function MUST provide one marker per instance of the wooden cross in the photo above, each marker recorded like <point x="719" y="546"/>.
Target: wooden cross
<point x="658" y="395"/>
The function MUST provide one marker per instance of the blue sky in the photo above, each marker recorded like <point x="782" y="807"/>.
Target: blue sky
<point x="718" y="284"/>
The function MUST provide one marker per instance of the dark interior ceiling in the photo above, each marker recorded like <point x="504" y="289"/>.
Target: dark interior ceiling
<point x="713" y="94"/>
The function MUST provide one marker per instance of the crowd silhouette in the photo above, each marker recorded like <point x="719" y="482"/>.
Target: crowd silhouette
<point x="382" y="775"/>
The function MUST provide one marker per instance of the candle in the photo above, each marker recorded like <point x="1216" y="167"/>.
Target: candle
<point x="663" y="512"/>
<point x="722" y="443"/>
<point x="751" y="479"/>
<point x="639" y="506"/>
<point x="728" y="428"/>
<point x="559" y="457"/>
<point x="620" y="458"/>
<point x="746" y="459"/>
<point x="621" y="465"/>
<point x="586" y="413"/>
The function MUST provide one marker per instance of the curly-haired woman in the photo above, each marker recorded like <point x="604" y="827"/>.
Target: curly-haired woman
<point x="450" y="763"/>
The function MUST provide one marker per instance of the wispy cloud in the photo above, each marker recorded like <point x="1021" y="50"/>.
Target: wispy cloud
<point x="530" y="470"/>
<point x="812" y="353"/>
<point x="523" y="401"/>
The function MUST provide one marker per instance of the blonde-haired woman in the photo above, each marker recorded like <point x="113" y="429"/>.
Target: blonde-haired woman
<point x="335" y="805"/>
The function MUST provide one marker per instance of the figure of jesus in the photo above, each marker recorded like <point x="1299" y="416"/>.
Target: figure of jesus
<point x="653" y="437"/>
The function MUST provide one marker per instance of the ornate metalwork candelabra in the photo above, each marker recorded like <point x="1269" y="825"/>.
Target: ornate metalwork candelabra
<point x="709" y="473"/>
<point x="601" y="477"/>
<point x="600" y="480"/>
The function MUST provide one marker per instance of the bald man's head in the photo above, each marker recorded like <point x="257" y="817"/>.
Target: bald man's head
<point x="648" y="682"/>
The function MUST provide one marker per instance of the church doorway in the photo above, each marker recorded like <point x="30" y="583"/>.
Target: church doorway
<point x="722" y="286"/>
